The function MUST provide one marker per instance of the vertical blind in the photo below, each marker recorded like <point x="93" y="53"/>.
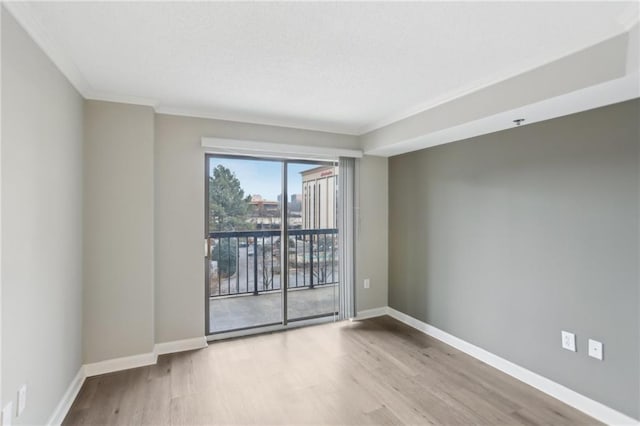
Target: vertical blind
<point x="346" y="190"/>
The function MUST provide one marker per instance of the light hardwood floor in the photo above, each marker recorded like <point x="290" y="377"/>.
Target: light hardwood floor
<point x="376" y="371"/>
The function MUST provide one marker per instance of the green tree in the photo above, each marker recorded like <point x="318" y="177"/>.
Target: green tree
<point x="225" y="253"/>
<point x="227" y="203"/>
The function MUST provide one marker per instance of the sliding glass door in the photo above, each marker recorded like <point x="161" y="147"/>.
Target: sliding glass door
<point x="313" y="237"/>
<point x="271" y="243"/>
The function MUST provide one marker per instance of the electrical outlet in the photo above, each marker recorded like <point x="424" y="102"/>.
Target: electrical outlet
<point x="595" y="349"/>
<point x="367" y="283"/>
<point x="569" y="341"/>
<point x="22" y="400"/>
<point x="7" y="414"/>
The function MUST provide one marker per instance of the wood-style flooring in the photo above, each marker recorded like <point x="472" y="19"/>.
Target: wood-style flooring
<point x="375" y="371"/>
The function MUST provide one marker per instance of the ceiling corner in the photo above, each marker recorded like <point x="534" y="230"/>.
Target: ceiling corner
<point x="24" y="13"/>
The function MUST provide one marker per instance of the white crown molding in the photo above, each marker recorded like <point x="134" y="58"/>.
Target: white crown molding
<point x="185" y="112"/>
<point x="69" y="396"/>
<point x="580" y="402"/>
<point x="122" y="99"/>
<point x="181" y="345"/>
<point x="28" y="19"/>
<point x="481" y="84"/>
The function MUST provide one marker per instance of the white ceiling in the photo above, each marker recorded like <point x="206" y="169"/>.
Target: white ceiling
<point x="342" y="67"/>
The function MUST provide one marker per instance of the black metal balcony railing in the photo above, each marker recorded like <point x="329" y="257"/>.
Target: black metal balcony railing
<point x="248" y="262"/>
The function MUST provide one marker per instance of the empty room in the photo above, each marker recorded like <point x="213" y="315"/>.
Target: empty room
<point x="320" y="213"/>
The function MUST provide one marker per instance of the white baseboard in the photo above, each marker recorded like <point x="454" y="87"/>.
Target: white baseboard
<point x="180" y="345"/>
<point x="118" y="364"/>
<point x="69" y="396"/>
<point x="371" y="313"/>
<point x="580" y="402"/>
<point x="141" y="360"/>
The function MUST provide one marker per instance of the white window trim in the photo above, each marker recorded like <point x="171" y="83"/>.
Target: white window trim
<point x="276" y="150"/>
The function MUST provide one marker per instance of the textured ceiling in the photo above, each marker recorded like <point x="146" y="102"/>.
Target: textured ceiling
<point x="345" y="67"/>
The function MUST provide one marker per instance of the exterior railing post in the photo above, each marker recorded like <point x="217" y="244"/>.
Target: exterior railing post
<point x="255" y="265"/>
<point x="311" y="262"/>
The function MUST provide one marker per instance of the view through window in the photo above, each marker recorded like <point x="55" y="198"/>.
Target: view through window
<point x="244" y="267"/>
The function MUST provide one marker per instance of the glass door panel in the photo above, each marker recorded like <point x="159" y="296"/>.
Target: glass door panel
<point x="313" y="236"/>
<point x="243" y="228"/>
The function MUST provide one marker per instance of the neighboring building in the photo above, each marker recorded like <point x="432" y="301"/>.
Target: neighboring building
<point x="319" y="187"/>
<point x="258" y="206"/>
<point x="295" y="208"/>
<point x="264" y="213"/>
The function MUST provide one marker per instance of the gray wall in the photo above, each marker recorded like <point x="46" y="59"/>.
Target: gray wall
<point x="179" y="215"/>
<point x="504" y="240"/>
<point x="42" y="226"/>
<point x="118" y="230"/>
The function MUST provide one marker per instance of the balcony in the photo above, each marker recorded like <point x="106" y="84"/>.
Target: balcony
<point x="245" y="278"/>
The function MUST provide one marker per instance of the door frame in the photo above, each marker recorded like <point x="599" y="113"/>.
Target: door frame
<point x="284" y="258"/>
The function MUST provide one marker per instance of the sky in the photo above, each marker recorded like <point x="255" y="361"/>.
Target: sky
<point x="263" y="177"/>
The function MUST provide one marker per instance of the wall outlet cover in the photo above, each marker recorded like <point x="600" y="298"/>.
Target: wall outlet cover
<point x="569" y="341"/>
<point x="367" y="283"/>
<point x="595" y="349"/>
<point x="7" y="414"/>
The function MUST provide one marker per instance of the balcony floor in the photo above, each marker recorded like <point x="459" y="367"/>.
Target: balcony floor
<point x="235" y="312"/>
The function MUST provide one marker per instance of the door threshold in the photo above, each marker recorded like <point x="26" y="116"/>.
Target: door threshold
<point x="270" y="328"/>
